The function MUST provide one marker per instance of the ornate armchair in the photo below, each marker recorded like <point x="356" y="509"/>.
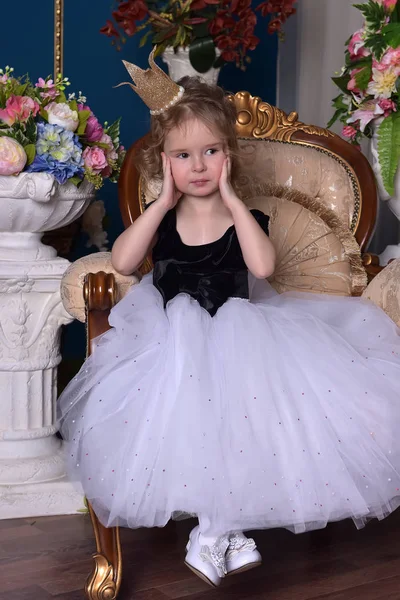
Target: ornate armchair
<point x="320" y="194"/>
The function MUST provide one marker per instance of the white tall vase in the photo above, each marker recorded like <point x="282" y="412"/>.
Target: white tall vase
<point x="392" y="250"/>
<point x="32" y="470"/>
<point x="179" y="66"/>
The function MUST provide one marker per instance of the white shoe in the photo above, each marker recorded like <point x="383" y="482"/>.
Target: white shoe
<point x="242" y="554"/>
<point x="208" y="562"/>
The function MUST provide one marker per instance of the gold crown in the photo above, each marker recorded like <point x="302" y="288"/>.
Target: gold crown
<point x="155" y="88"/>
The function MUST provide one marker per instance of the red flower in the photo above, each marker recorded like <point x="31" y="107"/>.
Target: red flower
<point x="198" y="5"/>
<point x="127" y="24"/>
<point x="251" y="42"/>
<point x="274" y="25"/>
<point x="230" y="56"/>
<point x="237" y="6"/>
<point x="281" y="8"/>
<point x="136" y="9"/>
<point x="221" y="22"/>
<point x="109" y="30"/>
<point x="224" y="42"/>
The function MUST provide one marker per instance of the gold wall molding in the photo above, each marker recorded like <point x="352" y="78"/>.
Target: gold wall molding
<point x="58" y="37"/>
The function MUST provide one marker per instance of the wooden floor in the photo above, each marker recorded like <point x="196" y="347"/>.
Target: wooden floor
<point x="49" y="558"/>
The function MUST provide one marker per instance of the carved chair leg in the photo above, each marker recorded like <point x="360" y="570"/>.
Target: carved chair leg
<point x="104" y="581"/>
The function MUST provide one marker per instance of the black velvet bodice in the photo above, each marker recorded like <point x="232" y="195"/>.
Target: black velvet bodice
<point x="210" y="273"/>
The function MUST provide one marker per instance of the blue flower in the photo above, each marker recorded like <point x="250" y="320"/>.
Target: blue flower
<point x="61" y="144"/>
<point x="58" y="152"/>
<point x="61" y="171"/>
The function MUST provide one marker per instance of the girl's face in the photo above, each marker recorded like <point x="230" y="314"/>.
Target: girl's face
<point x="197" y="156"/>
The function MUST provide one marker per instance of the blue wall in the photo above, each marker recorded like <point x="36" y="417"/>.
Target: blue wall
<point x="94" y="67"/>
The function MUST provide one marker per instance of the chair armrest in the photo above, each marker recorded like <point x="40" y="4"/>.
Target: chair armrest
<point x="104" y="287"/>
<point x="384" y="290"/>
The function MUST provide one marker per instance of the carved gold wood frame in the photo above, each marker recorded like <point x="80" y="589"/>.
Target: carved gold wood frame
<point x="58" y="37"/>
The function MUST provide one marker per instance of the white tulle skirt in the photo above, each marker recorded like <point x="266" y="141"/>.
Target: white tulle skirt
<point x="282" y="411"/>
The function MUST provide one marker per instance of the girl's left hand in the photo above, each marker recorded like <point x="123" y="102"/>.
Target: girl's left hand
<point x="228" y="195"/>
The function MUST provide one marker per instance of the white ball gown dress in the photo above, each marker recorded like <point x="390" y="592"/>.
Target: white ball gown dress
<point x="214" y="396"/>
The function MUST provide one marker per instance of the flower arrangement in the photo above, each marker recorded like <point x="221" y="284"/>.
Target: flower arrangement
<point x="43" y="130"/>
<point x="201" y="25"/>
<point x="370" y="84"/>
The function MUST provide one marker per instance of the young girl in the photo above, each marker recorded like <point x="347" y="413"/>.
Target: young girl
<point x="214" y="396"/>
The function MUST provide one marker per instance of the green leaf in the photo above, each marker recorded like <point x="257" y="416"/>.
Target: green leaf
<point x="75" y="180"/>
<point x="391" y="34"/>
<point x="361" y="62"/>
<point x="376" y="43"/>
<point x="113" y="131"/>
<point x="20" y="137"/>
<point x="20" y="89"/>
<point x="83" y="116"/>
<point x="31" y="130"/>
<point x="389" y="150"/>
<point x="161" y="35"/>
<point x="338" y="113"/>
<point x="202" y="54"/>
<point x="342" y="82"/>
<point x="61" y="98"/>
<point x="363" y="77"/>
<point x="3" y="98"/>
<point x="30" y="151"/>
<point x="73" y="105"/>
<point x="374" y="14"/>
<point x="145" y="38"/>
<point x="338" y="103"/>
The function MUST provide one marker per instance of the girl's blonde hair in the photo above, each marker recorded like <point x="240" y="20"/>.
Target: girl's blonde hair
<point x="202" y="101"/>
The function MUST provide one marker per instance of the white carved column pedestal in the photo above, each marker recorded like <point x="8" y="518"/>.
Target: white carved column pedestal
<point x="32" y="470"/>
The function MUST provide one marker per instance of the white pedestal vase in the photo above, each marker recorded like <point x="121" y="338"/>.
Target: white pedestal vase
<point x="179" y="66"/>
<point x="32" y="471"/>
<point x="392" y="250"/>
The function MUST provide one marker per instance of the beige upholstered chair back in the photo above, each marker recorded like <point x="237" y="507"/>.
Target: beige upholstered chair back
<point x="314" y="172"/>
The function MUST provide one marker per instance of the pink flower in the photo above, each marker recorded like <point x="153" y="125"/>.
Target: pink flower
<point x="391" y="58"/>
<point x="95" y="159"/>
<point x="84" y="107"/>
<point x="110" y="152"/>
<point x="51" y="90"/>
<point x="4" y="78"/>
<point x="356" y="45"/>
<point x="388" y="4"/>
<point x="12" y="156"/>
<point x="19" y="108"/>
<point x="365" y="114"/>
<point x="349" y="132"/>
<point x="94" y="130"/>
<point x="388" y="106"/>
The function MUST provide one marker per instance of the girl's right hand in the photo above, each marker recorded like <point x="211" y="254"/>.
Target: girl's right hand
<point x="169" y="194"/>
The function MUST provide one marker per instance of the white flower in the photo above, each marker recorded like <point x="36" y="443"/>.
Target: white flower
<point x="383" y="83"/>
<point x="61" y="114"/>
